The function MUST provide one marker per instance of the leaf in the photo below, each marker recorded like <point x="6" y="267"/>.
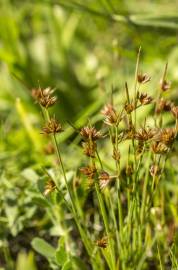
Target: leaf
<point x="30" y="175"/>
<point x="25" y="261"/>
<point x="42" y="247"/>
<point x="79" y="263"/>
<point x="61" y="256"/>
<point x="67" y="265"/>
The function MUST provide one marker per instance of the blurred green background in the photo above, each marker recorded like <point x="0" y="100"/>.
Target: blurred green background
<point x="82" y="49"/>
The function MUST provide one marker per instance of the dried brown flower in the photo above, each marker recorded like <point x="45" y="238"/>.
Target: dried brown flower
<point x="129" y="170"/>
<point x="140" y="147"/>
<point x="174" y="111"/>
<point x="145" y="99"/>
<point x="104" y="179"/>
<point x="52" y="127"/>
<point x="163" y="105"/>
<point x="165" y="136"/>
<point x="89" y="148"/>
<point x="49" y="187"/>
<point x="116" y="154"/>
<point x="89" y="171"/>
<point x="110" y="115"/>
<point x="44" y="96"/>
<point x="154" y="170"/>
<point x="144" y="134"/>
<point x="90" y="133"/>
<point x="129" y="107"/>
<point x="159" y="148"/>
<point x="165" y="85"/>
<point x="103" y="242"/>
<point x="143" y="78"/>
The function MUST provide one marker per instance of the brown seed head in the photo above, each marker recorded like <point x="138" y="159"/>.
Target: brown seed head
<point x="89" y="171"/>
<point x="110" y="115"/>
<point x="143" y="78"/>
<point x="174" y="111"/>
<point x="49" y="187"/>
<point x="159" y="148"/>
<point x="129" y="170"/>
<point x="116" y="154"/>
<point x="104" y="179"/>
<point x="144" y="134"/>
<point x="165" y="85"/>
<point x="44" y="96"/>
<point x="163" y="105"/>
<point x="145" y="99"/>
<point x="89" y="148"/>
<point x="154" y="170"/>
<point x="165" y="136"/>
<point x="52" y="127"/>
<point x="103" y="242"/>
<point x="90" y="133"/>
<point x="129" y="107"/>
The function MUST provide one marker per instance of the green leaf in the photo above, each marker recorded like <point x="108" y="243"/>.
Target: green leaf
<point x="61" y="256"/>
<point x="42" y="247"/>
<point x="79" y="263"/>
<point x="67" y="265"/>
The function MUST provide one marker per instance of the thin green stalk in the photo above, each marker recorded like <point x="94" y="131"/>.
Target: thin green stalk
<point x="75" y="215"/>
<point x="142" y="213"/>
<point x="106" y="224"/>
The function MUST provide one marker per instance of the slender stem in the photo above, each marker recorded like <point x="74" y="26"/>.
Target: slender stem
<point x="145" y="190"/>
<point x="105" y="220"/>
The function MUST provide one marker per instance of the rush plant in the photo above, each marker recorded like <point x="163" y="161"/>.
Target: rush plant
<point x="117" y="218"/>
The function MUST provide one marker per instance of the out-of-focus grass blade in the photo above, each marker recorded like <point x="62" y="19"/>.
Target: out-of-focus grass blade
<point x="81" y="120"/>
<point x="33" y="135"/>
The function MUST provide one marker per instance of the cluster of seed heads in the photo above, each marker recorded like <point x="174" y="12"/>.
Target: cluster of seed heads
<point x="157" y="139"/>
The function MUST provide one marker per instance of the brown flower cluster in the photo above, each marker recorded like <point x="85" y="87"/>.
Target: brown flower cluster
<point x="163" y="106"/>
<point x="90" y="135"/>
<point x="103" y="242"/>
<point x="49" y="187"/>
<point x="143" y="78"/>
<point x="104" y="179"/>
<point x="52" y="127"/>
<point x="145" y="99"/>
<point x="111" y="117"/>
<point x="44" y="96"/>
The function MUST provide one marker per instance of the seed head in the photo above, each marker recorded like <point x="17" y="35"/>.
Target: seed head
<point x="49" y="187"/>
<point x="44" y="96"/>
<point x="90" y="133"/>
<point x="102" y="243"/>
<point x="159" y="148"/>
<point x="163" y="105"/>
<point x="116" y="154"/>
<point x="165" y="85"/>
<point x="110" y="115"/>
<point x="145" y="99"/>
<point x="144" y="134"/>
<point x="129" y="107"/>
<point x="165" y="136"/>
<point x="89" y="171"/>
<point x="143" y="78"/>
<point x="174" y="111"/>
<point x="129" y="170"/>
<point x="52" y="127"/>
<point x="104" y="179"/>
<point x="89" y="148"/>
<point x="154" y="170"/>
